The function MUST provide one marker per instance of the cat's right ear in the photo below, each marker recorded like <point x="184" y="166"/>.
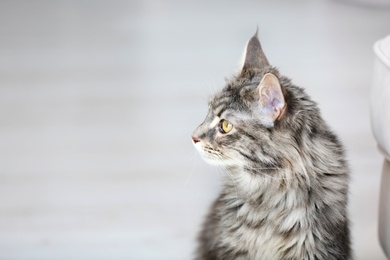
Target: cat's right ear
<point x="255" y="58"/>
<point x="271" y="98"/>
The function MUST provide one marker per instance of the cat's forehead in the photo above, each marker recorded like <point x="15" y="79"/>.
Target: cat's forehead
<point x="235" y="99"/>
<point x="222" y="101"/>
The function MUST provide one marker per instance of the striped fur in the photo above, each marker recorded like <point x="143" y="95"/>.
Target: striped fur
<point x="285" y="191"/>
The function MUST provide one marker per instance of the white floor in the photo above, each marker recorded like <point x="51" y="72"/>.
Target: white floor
<point x="98" y="100"/>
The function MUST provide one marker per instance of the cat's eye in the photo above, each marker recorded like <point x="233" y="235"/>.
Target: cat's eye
<point x="225" y="126"/>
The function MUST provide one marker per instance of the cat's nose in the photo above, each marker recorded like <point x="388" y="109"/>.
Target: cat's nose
<point x="195" y="140"/>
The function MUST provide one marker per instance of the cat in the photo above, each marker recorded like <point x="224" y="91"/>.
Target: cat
<point x="285" y="191"/>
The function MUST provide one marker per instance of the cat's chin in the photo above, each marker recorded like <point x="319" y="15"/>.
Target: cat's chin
<point x="214" y="162"/>
<point x="218" y="162"/>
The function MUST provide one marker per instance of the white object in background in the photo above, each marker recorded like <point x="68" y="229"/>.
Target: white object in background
<point x="380" y="96"/>
<point x="380" y="124"/>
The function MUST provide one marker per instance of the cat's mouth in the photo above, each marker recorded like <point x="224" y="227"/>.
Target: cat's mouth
<point x="210" y="155"/>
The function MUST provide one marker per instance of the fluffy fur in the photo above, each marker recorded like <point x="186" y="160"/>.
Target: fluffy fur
<point x="285" y="192"/>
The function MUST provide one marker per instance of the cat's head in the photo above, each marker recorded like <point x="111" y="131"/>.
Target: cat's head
<point x="237" y="129"/>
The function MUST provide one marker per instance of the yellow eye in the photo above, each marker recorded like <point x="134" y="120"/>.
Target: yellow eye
<point x="226" y="127"/>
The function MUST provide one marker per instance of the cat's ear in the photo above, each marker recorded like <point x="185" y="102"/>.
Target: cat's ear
<point x="254" y="55"/>
<point x="271" y="98"/>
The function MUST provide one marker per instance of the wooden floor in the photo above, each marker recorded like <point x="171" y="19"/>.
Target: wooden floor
<point x="98" y="100"/>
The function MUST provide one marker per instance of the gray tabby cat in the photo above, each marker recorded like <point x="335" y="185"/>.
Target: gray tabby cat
<point x="285" y="192"/>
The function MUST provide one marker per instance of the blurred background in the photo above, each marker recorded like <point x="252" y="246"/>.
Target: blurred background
<point x="98" y="100"/>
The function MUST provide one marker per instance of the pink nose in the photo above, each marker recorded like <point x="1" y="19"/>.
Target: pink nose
<point x="195" y="140"/>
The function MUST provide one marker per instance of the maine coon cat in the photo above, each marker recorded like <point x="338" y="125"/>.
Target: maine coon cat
<point x="285" y="190"/>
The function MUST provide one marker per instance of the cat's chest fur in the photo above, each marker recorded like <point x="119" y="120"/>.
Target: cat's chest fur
<point x="260" y="230"/>
<point x="247" y="235"/>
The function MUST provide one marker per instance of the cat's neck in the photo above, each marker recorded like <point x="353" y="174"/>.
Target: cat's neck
<point x="266" y="188"/>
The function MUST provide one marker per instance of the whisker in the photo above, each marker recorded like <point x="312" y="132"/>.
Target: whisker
<point x="191" y="171"/>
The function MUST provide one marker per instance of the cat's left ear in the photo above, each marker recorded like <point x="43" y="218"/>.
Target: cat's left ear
<point x="271" y="98"/>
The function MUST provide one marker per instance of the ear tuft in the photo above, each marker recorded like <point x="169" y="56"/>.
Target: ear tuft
<point x="271" y="98"/>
